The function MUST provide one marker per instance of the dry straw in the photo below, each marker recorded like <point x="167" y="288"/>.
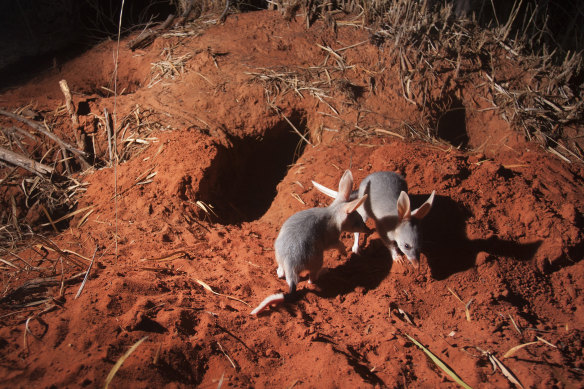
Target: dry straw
<point x="439" y="50"/>
<point x="121" y="361"/>
<point x="207" y="287"/>
<point x="443" y="366"/>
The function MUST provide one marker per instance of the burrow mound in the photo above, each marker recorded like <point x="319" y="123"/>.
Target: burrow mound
<point x="240" y="184"/>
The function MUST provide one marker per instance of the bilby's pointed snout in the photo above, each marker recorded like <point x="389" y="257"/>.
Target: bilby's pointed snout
<point x="414" y="259"/>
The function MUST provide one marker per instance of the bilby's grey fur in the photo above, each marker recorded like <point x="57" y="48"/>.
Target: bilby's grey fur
<point x="389" y="206"/>
<point x="305" y="235"/>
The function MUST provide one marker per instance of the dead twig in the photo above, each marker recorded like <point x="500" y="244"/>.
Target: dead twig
<point x="24" y="162"/>
<point x="81" y="155"/>
<point x="71" y="109"/>
<point x="279" y="112"/>
<point x="147" y="37"/>
<point x="86" y="275"/>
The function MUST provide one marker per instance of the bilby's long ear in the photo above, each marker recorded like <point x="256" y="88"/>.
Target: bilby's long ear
<point x="353" y="205"/>
<point x="403" y="206"/>
<point x="421" y="212"/>
<point x="325" y="190"/>
<point x="345" y="186"/>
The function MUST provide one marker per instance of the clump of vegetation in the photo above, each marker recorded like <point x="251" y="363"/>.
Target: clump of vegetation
<point x="438" y="47"/>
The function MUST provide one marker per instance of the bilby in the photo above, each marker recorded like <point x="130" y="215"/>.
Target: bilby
<point x="305" y="235"/>
<point x="388" y="205"/>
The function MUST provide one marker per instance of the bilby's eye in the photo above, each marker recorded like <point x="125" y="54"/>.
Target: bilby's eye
<point x="407" y="246"/>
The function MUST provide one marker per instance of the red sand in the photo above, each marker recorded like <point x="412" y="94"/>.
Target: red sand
<point x="505" y="232"/>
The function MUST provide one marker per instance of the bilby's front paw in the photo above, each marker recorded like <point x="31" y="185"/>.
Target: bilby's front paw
<point x="397" y="257"/>
<point x="280" y="272"/>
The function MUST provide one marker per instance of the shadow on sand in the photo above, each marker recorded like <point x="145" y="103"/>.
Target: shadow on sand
<point x="448" y="248"/>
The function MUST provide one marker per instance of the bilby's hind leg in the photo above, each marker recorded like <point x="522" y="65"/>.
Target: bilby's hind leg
<point x="292" y="286"/>
<point x="355" y="247"/>
<point x="313" y="277"/>
<point x="280" y="272"/>
<point x="315" y="269"/>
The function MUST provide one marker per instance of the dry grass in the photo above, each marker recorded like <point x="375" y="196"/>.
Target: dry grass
<point x="31" y="271"/>
<point x="172" y="66"/>
<point x="443" y="366"/>
<point x="439" y="51"/>
<point x="29" y="193"/>
<point x="436" y="52"/>
<point x="44" y="198"/>
<point x="121" y="361"/>
<point x="33" y="202"/>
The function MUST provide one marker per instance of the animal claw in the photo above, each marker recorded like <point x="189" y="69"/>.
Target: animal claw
<point x="399" y="259"/>
<point x="396" y="256"/>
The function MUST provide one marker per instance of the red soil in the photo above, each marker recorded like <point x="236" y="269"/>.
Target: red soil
<point x="505" y="232"/>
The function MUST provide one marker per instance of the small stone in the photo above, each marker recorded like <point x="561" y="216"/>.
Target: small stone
<point x="568" y="212"/>
<point x="482" y="258"/>
<point x="360" y="290"/>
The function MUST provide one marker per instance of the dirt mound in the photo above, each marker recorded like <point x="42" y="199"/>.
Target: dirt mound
<point x="196" y="214"/>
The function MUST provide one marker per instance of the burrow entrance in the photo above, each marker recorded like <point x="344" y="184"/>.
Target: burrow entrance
<point x="241" y="182"/>
<point x="450" y="122"/>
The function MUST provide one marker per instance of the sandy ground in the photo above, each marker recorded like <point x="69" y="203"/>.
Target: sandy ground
<point x="504" y="237"/>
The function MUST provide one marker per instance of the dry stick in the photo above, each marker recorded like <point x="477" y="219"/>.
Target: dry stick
<point x="23" y="133"/>
<point x="207" y="287"/>
<point x="10" y="264"/>
<point x="120" y="361"/>
<point x="228" y="357"/>
<point x="71" y="109"/>
<point x="220" y="383"/>
<point x="504" y="369"/>
<point x="49" y="219"/>
<point x="64" y="145"/>
<point x="290" y="123"/>
<point x="117" y="55"/>
<point x="37" y="283"/>
<point x="14" y="213"/>
<point x="30" y="266"/>
<point x="223" y="16"/>
<point x="144" y="40"/>
<point x="9" y="133"/>
<point x="515" y="324"/>
<point x="513" y="350"/>
<point x="52" y="246"/>
<point x="351" y="46"/>
<point x="24" y="162"/>
<point x="86" y="275"/>
<point x="68" y="216"/>
<point x="466" y="305"/>
<point x="62" y="288"/>
<point x="26" y="330"/>
<point x="108" y="129"/>
<point x="168" y="257"/>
